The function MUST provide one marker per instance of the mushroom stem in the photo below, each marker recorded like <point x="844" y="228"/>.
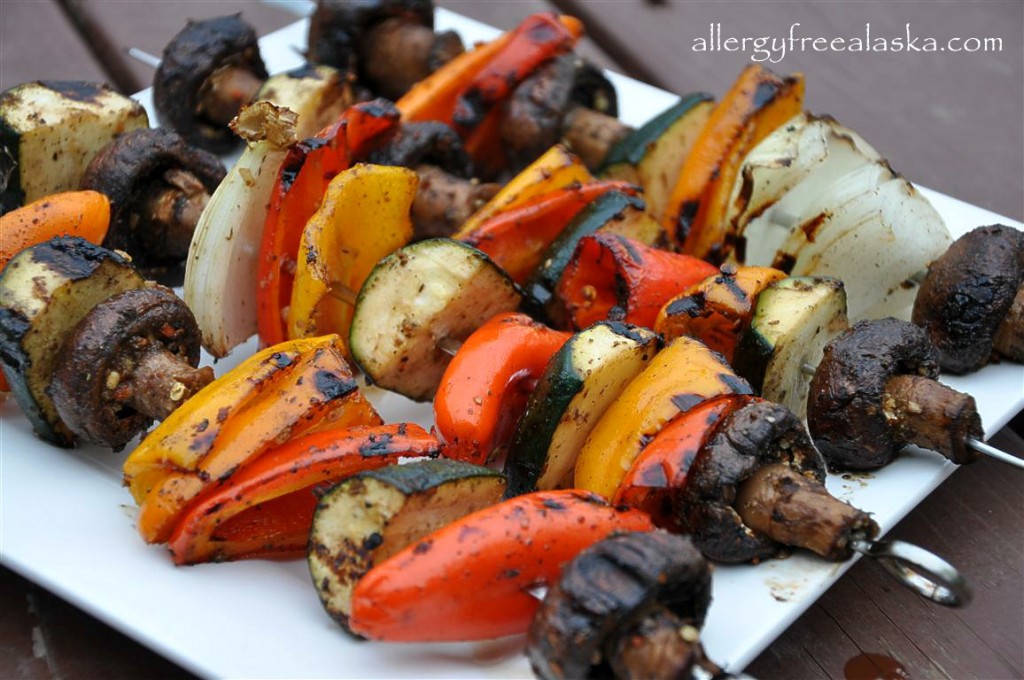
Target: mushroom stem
<point x="1009" y="337"/>
<point x="591" y="134"/>
<point x="659" y="645"/>
<point x="226" y="91"/>
<point x="444" y="201"/>
<point x="931" y="415"/>
<point x="799" y="511"/>
<point x="172" y="211"/>
<point x="397" y="53"/>
<point x="160" y="381"/>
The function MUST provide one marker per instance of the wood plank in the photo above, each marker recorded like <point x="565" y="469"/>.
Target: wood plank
<point x="950" y="121"/>
<point x="25" y="26"/>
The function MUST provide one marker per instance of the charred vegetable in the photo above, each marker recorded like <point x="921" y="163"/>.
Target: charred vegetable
<point x="417" y="301"/>
<point x="633" y="602"/>
<point x="317" y="94"/>
<point x="758" y="483"/>
<point x="578" y="385"/>
<point x="44" y="292"/>
<point x="876" y="390"/>
<point x="368" y="518"/>
<point x="469" y="579"/>
<point x="972" y="301"/>
<point x="209" y="71"/>
<point x="50" y="130"/>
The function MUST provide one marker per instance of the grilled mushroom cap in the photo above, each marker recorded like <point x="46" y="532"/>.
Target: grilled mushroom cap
<point x="378" y="41"/>
<point x="131" y="359"/>
<point x="968" y="294"/>
<point x="609" y="587"/>
<point x="184" y="85"/>
<point x="430" y="142"/>
<point x="846" y="411"/>
<point x="757" y="435"/>
<point x="157" y="185"/>
<point x="875" y="391"/>
<point x="535" y="117"/>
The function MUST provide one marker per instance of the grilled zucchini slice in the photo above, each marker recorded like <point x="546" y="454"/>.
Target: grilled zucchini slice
<point x="793" y="321"/>
<point x="50" y="130"/>
<point x="580" y="382"/>
<point x="417" y="304"/>
<point x="372" y="515"/>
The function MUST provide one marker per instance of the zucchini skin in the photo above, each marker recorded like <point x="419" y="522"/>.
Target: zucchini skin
<point x="632" y="149"/>
<point x="12" y="195"/>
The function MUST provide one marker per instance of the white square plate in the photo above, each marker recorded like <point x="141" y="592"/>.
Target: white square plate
<point x="67" y="523"/>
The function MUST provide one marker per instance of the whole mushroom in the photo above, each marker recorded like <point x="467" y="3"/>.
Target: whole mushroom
<point x="971" y="303"/>
<point x="158" y="186"/>
<point x="130" y="360"/>
<point x="388" y="44"/>
<point x="633" y="602"/>
<point x="209" y="70"/>
<point x="876" y="391"/>
<point x="566" y="99"/>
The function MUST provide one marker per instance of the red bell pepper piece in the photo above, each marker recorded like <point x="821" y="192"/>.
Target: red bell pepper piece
<point x="469" y="579"/>
<point x="266" y="508"/>
<point x="615" y="277"/>
<point x="466" y="91"/>
<point x="485" y="387"/>
<point x="307" y="170"/>
<point x="660" y="470"/>
<point x="517" y="238"/>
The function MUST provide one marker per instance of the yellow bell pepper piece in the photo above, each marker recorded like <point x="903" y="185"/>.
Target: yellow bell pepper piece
<point x="677" y="379"/>
<point x="365" y="216"/>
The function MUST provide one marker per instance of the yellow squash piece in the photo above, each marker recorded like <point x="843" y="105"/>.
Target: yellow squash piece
<point x="365" y="216"/>
<point x="677" y="379"/>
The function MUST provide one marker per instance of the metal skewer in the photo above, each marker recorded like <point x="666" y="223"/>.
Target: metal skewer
<point x="976" y="444"/>
<point x="143" y="57"/>
<point x="923" y="572"/>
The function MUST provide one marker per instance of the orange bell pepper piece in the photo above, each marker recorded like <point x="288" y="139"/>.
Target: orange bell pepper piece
<point x="757" y="103"/>
<point x="266" y="509"/>
<point x="517" y="238"/>
<point x="485" y="387"/>
<point x="615" y="277"/>
<point x="71" y="213"/>
<point x="469" y="579"/>
<point x="718" y="309"/>
<point x="660" y="470"/>
<point x="679" y="377"/>
<point x="298" y="191"/>
<point x="282" y="392"/>
<point x="364" y="216"/>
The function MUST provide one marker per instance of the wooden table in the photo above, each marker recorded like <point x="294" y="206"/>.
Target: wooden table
<point x="951" y="121"/>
